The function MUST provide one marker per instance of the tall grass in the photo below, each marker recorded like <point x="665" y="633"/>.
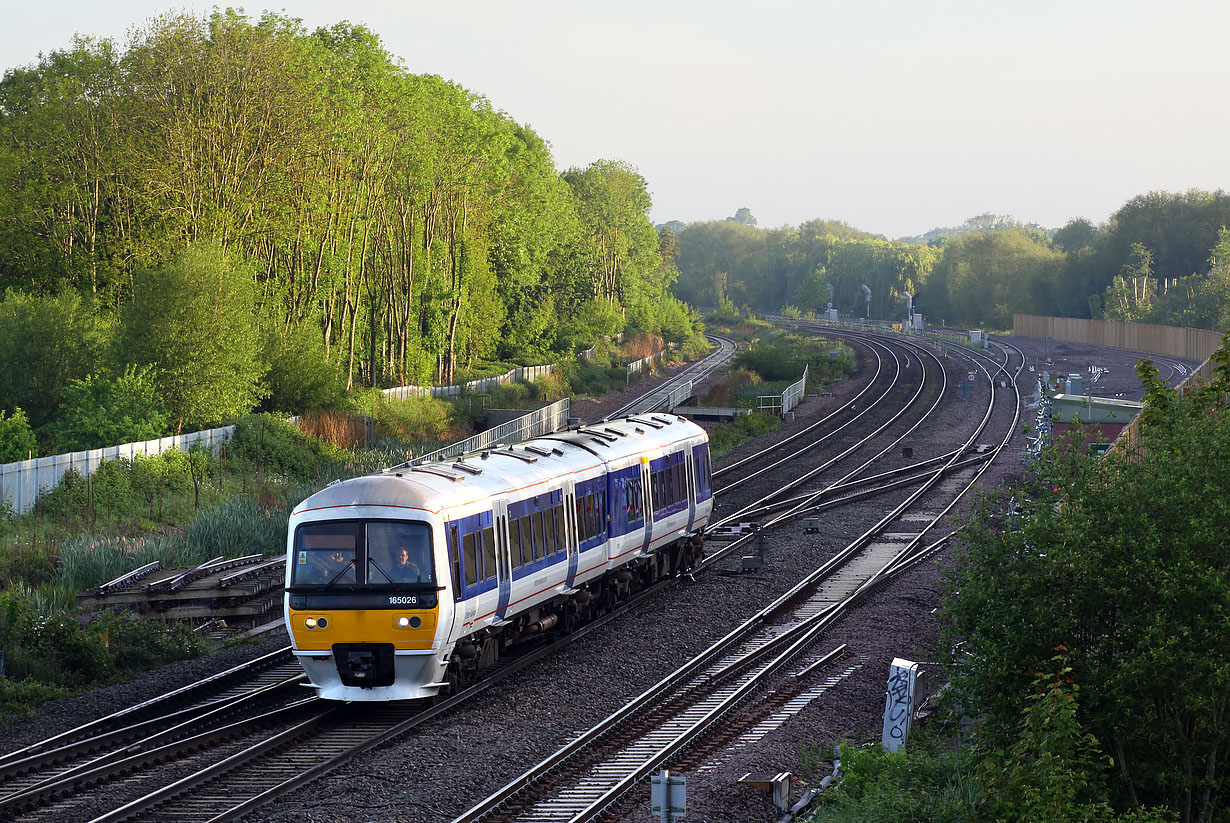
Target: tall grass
<point x="89" y="560"/>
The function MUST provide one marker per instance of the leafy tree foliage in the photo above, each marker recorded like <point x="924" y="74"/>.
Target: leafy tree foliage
<point x="399" y="218"/>
<point x="192" y="320"/>
<point x="105" y="410"/>
<point x="985" y="277"/>
<point x="46" y="343"/>
<point x="1121" y="561"/>
<point x="768" y="269"/>
<point x="16" y="438"/>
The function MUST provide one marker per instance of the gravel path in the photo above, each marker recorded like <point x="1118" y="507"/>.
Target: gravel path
<point x="459" y="759"/>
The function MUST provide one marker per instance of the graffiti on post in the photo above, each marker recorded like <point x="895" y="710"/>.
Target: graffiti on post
<point x="899" y="703"/>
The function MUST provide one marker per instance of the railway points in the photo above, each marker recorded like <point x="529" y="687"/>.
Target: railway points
<point x="869" y="481"/>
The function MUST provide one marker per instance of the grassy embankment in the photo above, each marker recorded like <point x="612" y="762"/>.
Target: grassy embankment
<point x="185" y="508"/>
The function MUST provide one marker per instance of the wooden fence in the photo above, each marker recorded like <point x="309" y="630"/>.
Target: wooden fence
<point x="1191" y="344"/>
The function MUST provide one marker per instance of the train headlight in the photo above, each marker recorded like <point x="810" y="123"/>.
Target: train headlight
<point x="404" y="622"/>
<point x="316" y="622"/>
<point x="310" y="622"/>
<point x="411" y="621"/>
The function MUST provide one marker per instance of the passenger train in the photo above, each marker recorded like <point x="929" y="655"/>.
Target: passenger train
<point x="404" y="583"/>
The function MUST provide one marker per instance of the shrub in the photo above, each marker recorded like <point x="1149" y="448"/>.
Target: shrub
<point x="135" y="644"/>
<point x="19" y="697"/>
<point x="415" y="418"/>
<point x="16" y="438"/>
<point x="104" y="410"/>
<point x="277" y="447"/>
<point x="726" y="436"/>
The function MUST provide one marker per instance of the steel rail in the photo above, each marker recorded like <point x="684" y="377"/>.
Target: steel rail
<point x="798" y="640"/>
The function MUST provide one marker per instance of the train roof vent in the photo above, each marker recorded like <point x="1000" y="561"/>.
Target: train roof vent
<point x="438" y="471"/>
<point x="539" y="450"/>
<point x="652" y="423"/>
<point x="509" y="452"/>
<point x="601" y="434"/>
<point x="666" y="420"/>
<point x="468" y="469"/>
<point x="615" y="431"/>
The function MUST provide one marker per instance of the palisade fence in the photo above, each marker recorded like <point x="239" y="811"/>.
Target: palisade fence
<point x="21" y="482"/>
<point x="546" y="420"/>
<point x="644" y="362"/>
<point x="528" y="373"/>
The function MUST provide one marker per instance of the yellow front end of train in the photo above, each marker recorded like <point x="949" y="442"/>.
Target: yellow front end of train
<point x="363" y="607"/>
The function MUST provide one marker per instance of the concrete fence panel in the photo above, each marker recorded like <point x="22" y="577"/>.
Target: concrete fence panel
<point x="23" y="481"/>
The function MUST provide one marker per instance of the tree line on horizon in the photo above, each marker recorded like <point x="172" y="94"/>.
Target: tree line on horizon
<point x="236" y="207"/>
<point x="1161" y="258"/>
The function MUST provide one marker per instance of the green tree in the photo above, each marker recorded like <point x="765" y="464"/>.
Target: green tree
<point x="16" y="438"/>
<point x="194" y="322"/>
<point x="1120" y="560"/>
<point x="109" y="410"/>
<point x="46" y="343"/>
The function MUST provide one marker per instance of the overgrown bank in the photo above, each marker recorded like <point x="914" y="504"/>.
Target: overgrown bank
<point x="1085" y="629"/>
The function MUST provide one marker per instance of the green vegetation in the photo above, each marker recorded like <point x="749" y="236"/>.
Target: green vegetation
<point x="774" y="360"/>
<point x="1086" y="619"/>
<point x="726" y="436"/>
<point x="49" y="656"/>
<point x="430" y="240"/>
<point x="1161" y="258"/>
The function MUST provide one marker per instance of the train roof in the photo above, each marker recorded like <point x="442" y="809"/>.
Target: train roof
<point x="507" y="469"/>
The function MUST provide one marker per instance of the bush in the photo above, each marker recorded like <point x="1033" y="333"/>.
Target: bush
<point x="19" y="697"/>
<point x="16" y="438"/>
<point x="136" y="644"/>
<point x="300" y="377"/>
<point x="746" y="427"/>
<point x="415" y="418"/>
<point x="109" y="411"/>
<point x="277" y="447"/>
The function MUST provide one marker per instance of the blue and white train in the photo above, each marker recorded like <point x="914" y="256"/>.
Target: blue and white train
<point x="404" y="583"/>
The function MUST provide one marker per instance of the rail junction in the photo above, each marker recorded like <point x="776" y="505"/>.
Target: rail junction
<point x="241" y="740"/>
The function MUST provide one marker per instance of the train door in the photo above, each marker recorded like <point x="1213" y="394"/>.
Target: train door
<point x="690" y="472"/>
<point x="647" y="502"/>
<point x="570" y="535"/>
<point x="503" y="563"/>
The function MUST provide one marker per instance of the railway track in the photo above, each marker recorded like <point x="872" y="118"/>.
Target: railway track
<point x="198" y="797"/>
<point x="591" y="774"/>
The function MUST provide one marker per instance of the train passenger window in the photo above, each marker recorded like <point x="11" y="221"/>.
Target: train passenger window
<point x="557" y="528"/>
<point x="540" y="545"/>
<point x="488" y="553"/>
<point x="527" y="540"/>
<point x="591" y="516"/>
<point x="514" y="542"/>
<point x="580" y="519"/>
<point x="470" y="557"/>
<point x="680" y="491"/>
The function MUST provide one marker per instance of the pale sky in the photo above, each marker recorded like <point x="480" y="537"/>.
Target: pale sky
<point x="896" y="117"/>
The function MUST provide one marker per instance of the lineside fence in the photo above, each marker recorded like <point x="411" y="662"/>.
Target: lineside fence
<point x="1190" y="344"/>
<point x="784" y="403"/>
<point x="21" y="482"/>
<point x="645" y="362"/>
<point x="546" y="420"/>
<point x="527" y="373"/>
